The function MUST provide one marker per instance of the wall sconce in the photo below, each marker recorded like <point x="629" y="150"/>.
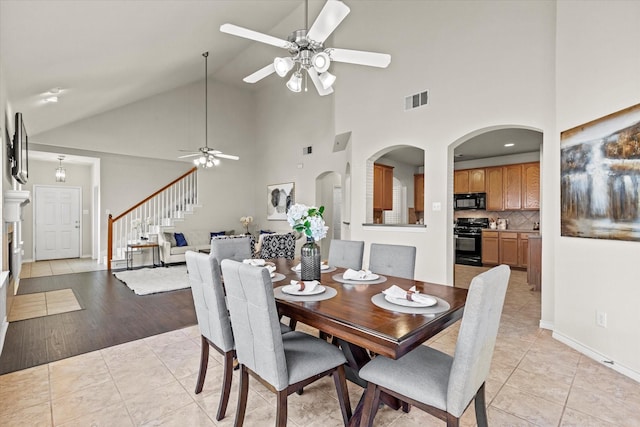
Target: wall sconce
<point x="61" y="173"/>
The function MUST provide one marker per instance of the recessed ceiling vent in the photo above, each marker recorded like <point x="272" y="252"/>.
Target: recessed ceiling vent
<point x="415" y="101"/>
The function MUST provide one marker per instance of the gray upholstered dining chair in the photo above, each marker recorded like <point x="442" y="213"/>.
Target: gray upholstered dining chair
<point x="346" y="254"/>
<point x="394" y="260"/>
<point x="213" y="320"/>
<point x="284" y="363"/>
<point x="237" y="249"/>
<point x="435" y="382"/>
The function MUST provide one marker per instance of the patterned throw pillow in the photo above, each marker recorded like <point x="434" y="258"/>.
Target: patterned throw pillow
<point x="217" y="233"/>
<point x="180" y="240"/>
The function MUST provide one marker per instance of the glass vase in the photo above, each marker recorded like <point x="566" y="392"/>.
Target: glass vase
<point x="310" y="261"/>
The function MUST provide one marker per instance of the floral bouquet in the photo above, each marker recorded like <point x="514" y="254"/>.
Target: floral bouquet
<point x="246" y="221"/>
<point x="307" y="220"/>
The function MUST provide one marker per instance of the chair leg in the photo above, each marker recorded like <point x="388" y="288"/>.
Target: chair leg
<point x="243" y="392"/>
<point x="204" y="362"/>
<point x="481" y="408"/>
<point x="452" y="421"/>
<point x="371" y="402"/>
<point x="340" y="381"/>
<point x="226" y="385"/>
<point x="281" y="412"/>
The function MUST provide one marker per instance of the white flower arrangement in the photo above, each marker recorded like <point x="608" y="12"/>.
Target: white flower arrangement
<point x="246" y="221"/>
<point x="307" y="220"/>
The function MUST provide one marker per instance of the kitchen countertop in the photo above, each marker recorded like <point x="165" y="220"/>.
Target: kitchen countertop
<point x="514" y="230"/>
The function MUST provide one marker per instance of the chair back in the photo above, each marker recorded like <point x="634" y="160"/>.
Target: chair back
<point x="256" y="326"/>
<point x="477" y="337"/>
<point x="346" y="254"/>
<point x="277" y="245"/>
<point x="237" y="249"/>
<point x="209" y="301"/>
<point x="393" y="260"/>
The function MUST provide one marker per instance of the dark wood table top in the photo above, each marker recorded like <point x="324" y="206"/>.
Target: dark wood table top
<point x="351" y="315"/>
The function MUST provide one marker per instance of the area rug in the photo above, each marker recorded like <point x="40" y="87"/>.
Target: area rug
<point x="147" y="281"/>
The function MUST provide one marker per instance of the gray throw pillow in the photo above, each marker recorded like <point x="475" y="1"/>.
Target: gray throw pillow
<point x="169" y="237"/>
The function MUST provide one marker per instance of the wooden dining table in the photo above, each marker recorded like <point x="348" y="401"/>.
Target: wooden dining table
<point x="362" y="328"/>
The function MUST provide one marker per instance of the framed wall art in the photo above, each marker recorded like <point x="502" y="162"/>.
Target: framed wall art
<point x="279" y="198"/>
<point x="600" y="177"/>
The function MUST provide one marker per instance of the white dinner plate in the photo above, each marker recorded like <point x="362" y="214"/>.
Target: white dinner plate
<point x="297" y="268"/>
<point x="292" y="290"/>
<point x="407" y="303"/>
<point x="372" y="276"/>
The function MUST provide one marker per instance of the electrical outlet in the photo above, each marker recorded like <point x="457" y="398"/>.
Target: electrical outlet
<point x="436" y="206"/>
<point x="601" y="319"/>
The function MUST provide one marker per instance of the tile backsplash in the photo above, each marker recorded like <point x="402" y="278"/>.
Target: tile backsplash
<point x="521" y="220"/>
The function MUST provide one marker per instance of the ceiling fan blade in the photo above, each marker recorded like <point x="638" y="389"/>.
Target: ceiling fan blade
<point x="360" y="57"/>
<point x="227" y="156"/>
<point x="260" y="74"/>
<point x="317" y="83"/>
<point x="328" y="20"/>
<point x="234" y="30"/>
<point x="189" y="155"/>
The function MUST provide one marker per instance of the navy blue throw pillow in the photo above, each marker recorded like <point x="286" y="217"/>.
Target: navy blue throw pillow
<point x="217" y="233"/>
<point x="180" y="240"/>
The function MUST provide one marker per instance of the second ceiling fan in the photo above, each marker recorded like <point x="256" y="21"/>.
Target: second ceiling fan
<point x="307" y="51"/>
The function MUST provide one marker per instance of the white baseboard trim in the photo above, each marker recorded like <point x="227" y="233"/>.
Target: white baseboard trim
<point x="598" y="357"/>
<point x="546" y="325"/>
<point x="3" y="332"/>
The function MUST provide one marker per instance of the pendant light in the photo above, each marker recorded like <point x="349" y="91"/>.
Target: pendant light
<point x="61" y="173"/>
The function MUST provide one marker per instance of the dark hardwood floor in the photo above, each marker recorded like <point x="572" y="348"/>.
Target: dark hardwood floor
<point x="112" y="314"/>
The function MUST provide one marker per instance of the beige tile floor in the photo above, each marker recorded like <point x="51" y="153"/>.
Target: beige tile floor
<point x="534" y="381"/>
<point x="39" y="304"/>
<point x="59" y="266"/>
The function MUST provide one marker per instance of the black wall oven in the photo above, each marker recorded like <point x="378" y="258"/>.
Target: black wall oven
<point x="469" y="201"/>
<point x="468" y="236"/>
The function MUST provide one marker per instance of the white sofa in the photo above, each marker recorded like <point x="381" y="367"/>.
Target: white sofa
<point x="171" y="253"/>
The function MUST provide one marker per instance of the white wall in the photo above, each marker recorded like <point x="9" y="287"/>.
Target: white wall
<point x="485" y="64"/>
<point x="598" y="61"/>
<point x="151" y="132"/>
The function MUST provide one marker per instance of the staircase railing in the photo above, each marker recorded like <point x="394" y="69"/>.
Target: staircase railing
<point x="160" y="209"/>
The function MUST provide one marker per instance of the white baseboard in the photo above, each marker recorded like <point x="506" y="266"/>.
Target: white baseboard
<point x="598" y="357"/>
<point x="546" y="325"/>
<point x="3" y="332"/>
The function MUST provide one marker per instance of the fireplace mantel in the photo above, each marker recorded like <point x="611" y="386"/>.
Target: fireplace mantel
<point x="14" y="200"/>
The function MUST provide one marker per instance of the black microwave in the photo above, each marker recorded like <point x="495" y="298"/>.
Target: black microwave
<point x="469" y="201"/>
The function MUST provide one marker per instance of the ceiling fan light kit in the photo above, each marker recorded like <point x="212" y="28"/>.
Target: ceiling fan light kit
<point x="207" y="157"/>
<point x="307" y="51"/>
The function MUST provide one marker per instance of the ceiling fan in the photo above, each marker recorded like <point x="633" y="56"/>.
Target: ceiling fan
<point x="208" y="157"/>
<point x="307" y="52"/>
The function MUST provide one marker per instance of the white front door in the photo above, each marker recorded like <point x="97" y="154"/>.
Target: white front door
<point x="57" y="222"/>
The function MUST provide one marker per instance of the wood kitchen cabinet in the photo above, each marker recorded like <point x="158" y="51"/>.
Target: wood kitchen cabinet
<point x="505" y="247"/>
<point x="512" y="187"/>
<point x="418" y="192"/>
<point x="509" y="249"/>
<point x="531" y="186"/>
<point x="382" y="187"/>
<point x="494" y="189"/>
<point x="469" y="181"/>
<point x="490" y="247"/>
<point x="534" y="267"/>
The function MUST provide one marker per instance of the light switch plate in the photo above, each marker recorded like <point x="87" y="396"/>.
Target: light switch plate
<point x="436" y="206"/>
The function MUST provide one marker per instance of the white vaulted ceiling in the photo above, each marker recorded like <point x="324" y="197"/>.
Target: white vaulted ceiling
<point x="104" y="54"/>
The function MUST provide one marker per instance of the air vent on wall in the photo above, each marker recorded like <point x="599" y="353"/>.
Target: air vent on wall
<point x="417" y="100"/>
<point x="307" y="150"/>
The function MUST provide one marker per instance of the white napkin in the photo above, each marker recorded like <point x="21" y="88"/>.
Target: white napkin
<point x="271" y="268"/>
<point x="254" y="262"/>
<point x="304" y="287"/>
<point x="397" y="292"/>
<point x="351" y="274"/>
<point x="323" y="266"/>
